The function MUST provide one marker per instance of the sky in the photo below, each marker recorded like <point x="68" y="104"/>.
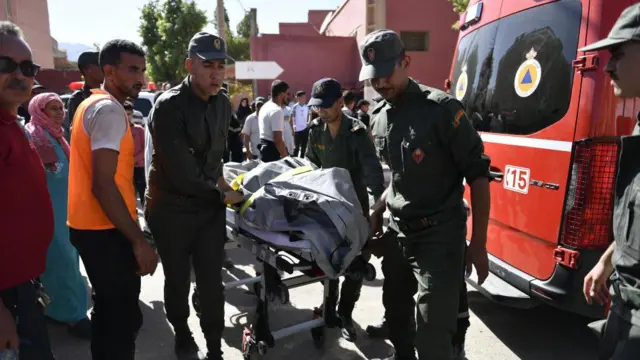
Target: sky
<point x="120" y="18"/>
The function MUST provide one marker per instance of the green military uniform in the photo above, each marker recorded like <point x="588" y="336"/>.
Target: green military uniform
<point x="621" y="331"/>
<point x="431" y="146"/>
<point x="350" y="149"/>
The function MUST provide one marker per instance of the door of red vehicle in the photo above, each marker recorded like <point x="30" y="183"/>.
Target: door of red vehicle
<point x="516" y="80"/>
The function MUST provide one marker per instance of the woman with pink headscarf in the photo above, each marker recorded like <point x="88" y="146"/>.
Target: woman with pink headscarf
<point x="62" y="279"/>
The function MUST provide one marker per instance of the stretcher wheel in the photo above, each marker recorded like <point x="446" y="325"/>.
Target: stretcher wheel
<point x="262" y="348"/>
<point x="369" y="272"/>
<point x="283" y="294"/>
<point x="317" y="334"/>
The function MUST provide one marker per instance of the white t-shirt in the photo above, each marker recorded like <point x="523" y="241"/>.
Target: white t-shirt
<point x="287" y="134"/>
<point x="105" y="122"/>
<point x="251" y="129"/>
<point x="271" y="119"/>
<point x="300" y="114"/>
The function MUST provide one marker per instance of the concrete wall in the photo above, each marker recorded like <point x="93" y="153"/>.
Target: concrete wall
<point x="316" y="18"/>
<point x="32" y="16"/>
<point x="306" y="59"/>
<point x="435" y="16"/>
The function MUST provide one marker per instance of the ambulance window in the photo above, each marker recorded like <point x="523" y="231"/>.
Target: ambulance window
<point x="514" y="75"/>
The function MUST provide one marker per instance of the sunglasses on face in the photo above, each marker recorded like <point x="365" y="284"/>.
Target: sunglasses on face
<point x="9" y="66"/>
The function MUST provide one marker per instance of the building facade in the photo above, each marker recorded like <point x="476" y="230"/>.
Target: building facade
<point x="327" y="44"/>
<point x="32" y="16"/>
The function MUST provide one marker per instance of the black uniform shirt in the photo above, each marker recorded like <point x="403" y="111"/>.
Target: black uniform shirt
<point x="189" y="138"/>
<point x="430" y="145"/>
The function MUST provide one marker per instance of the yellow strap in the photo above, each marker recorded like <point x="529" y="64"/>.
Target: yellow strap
<point x="237" y="182"/>
<point x="284" y="176"/>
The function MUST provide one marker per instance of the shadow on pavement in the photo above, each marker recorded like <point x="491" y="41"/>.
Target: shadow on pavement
<point x="155" y="340"/>
<point x="543" y="332"/>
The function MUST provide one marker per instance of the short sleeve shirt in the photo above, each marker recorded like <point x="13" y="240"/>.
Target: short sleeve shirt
<point x="105" y="123"/>
<point x="271" y="119"/>
<point x="252" y="130"/>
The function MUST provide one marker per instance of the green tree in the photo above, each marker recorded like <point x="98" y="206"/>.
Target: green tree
<point x="459" y="6"/>
<point x="226" y="21"/>
<point x="237" y="46"/>
<point x="244" y="27"/>
<point x="166" y="28"/>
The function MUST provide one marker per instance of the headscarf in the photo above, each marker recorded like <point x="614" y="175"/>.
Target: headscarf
<point x="41" y="124"/>
<point x="243" y="111"/>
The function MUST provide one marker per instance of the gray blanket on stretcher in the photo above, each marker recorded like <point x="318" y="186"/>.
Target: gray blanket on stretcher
<point x="320" y="206"/>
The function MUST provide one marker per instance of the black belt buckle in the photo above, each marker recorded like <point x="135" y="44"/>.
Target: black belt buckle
<point x="415" y="225"/>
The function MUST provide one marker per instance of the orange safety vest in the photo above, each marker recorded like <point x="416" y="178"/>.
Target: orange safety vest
<point x="84" y="210"/>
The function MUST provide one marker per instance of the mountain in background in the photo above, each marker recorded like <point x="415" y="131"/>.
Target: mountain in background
<point x="74" y="50"/>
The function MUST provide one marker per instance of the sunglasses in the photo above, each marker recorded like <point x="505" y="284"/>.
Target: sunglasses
<point x="9" y="66"/>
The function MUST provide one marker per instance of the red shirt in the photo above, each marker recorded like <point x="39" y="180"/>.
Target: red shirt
<point x="26" y="212"/>
<point x="138" y="142"/>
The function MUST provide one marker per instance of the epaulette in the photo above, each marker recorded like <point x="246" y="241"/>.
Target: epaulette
<point x="315" y="122"/>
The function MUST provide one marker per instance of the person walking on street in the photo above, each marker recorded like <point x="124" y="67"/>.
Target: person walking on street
<point x="251" y="131"/>
<point x="93" y="78"/>
<point x="430" y="145"/>
<point x="300" y="118"/>
<point x="271" y="121"/>
<point x="337" y="140"/>
<point x="26" y="212"/>
<point x="62" y="279"/>
<point x="186" y="197"/>
<point x="102" y="213"/>
<point x="619" y="266"/>
<point x="138" y="133"/>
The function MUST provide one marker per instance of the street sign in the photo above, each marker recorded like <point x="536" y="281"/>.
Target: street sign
<point x="257" y="70"/>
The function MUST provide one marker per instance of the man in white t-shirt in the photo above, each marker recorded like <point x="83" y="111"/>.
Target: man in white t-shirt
<point x="288" y="127"/>
<point x="271" y="122"/>
<point x="300" y="118"/>
<point x="251" y="132"/>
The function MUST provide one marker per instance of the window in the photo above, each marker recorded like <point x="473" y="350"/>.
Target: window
<point x="415" y="40"/>
<point x="143" y="105"/>
<point x="492" y="59"/>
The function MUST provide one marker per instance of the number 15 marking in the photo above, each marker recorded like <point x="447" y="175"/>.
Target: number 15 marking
<point x="517" y="179"/>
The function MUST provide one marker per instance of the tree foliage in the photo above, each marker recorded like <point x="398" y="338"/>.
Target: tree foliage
<point x="459" y="6"/>
<point x="237" y="45"/>
<point x="166" y="28"/>
<point x="244" y="26"/>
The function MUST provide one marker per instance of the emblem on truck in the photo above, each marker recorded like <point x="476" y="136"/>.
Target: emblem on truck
<point x="528" y="75"/>
<point x="461" y="84"/>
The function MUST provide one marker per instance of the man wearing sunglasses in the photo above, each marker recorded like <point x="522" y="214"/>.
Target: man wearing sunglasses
<point x="26" y="213"/>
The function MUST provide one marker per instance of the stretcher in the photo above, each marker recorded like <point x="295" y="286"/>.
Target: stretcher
<point x="285" y="253"/>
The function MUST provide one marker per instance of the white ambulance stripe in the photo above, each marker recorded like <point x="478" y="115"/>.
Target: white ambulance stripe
<point x="555" y="145"/>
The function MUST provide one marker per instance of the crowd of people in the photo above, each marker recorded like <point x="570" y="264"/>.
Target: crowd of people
<point x="70" y="197"/>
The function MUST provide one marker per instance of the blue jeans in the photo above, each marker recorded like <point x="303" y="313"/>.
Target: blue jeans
<point x="29" y="316"/>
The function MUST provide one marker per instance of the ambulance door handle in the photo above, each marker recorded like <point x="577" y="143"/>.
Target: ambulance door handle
<point x="495" y="174"/>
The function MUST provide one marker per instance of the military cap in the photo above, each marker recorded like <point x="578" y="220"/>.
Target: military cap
<point x="379" y="53"/>
<point x="626" y="29"/>
<point x="325" y="93"/>
<point x="208" y="47"/>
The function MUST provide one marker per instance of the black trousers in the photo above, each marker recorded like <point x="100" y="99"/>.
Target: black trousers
<point x="185" y="240"/>
<point x="301" y="138"/>
<point x="233" y="152"/>
<point x="116" y="316"/>
<point x="21" y="301"/>
<point x="140" y="183"/>
<point x="268" y="151"/>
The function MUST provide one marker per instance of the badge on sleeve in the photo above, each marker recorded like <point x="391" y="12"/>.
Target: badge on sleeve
<point x="456" y="119"/>
<point x="418" y="155"/>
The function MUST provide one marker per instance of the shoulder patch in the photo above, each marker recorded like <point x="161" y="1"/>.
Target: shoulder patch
<point x="456" y="119"/>
<point x="315" y="122"/>
<point x="357" y="125"/>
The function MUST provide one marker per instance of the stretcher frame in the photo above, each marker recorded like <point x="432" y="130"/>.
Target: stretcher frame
<point x="269" y="285"/>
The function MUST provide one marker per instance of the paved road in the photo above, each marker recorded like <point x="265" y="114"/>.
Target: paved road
<point x="496" y="332"/>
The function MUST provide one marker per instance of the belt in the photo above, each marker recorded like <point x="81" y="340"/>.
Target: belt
<point x="419" y="224"/>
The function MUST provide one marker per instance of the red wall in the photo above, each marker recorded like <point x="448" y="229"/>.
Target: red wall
<point x="432" y="67"/>
<point x="298" y="29"/>
<point x="58" y="80"/>
<point x="306" y="59"/>
<point x="316" y="17"/>
<point x="349" y="20"/>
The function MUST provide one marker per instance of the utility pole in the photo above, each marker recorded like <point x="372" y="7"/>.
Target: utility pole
<point x="253" y="18"/>
<point x="222" y="25"/>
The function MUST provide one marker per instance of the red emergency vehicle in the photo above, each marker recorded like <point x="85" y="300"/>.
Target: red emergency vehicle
<point x="550" y="122"/>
